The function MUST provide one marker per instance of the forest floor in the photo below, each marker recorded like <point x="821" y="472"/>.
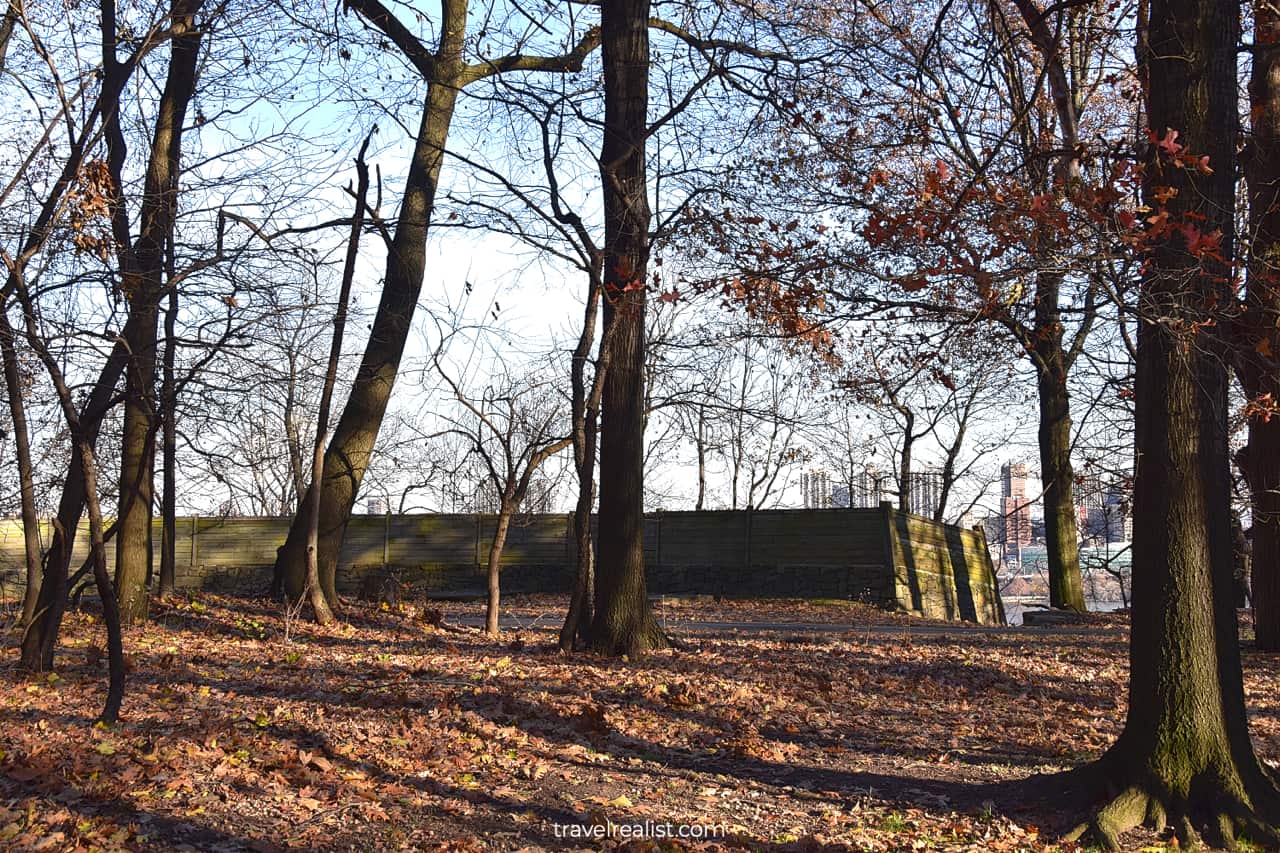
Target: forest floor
<point x="244" y="729"/>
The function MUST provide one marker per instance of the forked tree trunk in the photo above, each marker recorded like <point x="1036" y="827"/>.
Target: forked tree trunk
<point x="41" y="635"/>
<point x="585" y="414"/>
<point x="1185" y="758"/>
<point x="83" y="437"/>
<point x="106" y="593"/>
<point x="143" y="287"/>
<point x="313" y="588"/>
<point x="351" y="447"/>
<point x="623" y="623"/>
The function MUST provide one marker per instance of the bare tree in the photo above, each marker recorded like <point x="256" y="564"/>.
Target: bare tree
<point x="514" y="425"/>
<point x="447" y="72"/>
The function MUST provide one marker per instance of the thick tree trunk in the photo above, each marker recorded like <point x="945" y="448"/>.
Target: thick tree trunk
<point x="1060" y="524"/>
<point x="1261" y="466"/>
<point x="495" y="568"/>
<point x="1185" y="758"/>
<point x="623" y="623"/>
<point x="1258" y="364"/>
<point x="143" y="287"/>
<point x="349" y="450"/>
<point x="137" y="454"/>
<point x="26" y="479"/>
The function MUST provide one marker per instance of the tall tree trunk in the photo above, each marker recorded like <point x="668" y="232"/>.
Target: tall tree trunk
<point x="1261" y="467"/>
<point x="1185" y="758"/>
<point x="623" y="623"/>
<point x="1056" y="45"/>
<point x="1057" y="477"/>
<point x="106" y="593"/>
<point x="292" y="439"/>
<point x="904" y="462"/>
<point x="700" y="440"/>
<point x="585" y="415"/>
<point x="313" y="587"/>
<point x="26" y="480"/>
<point x="169" y="416"/>
<point x="143" y="287"/>
<point x="1258" y="366"/>
<point x="350" y="449"/>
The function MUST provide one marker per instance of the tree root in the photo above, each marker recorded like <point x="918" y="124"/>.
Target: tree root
<point x="1223" y="824"/>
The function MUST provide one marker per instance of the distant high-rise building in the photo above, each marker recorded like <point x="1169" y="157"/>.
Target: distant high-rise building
<point x="1103" y="511"/>
<point x="925" y="492"/>
<point x="1015" y="509"/>
<point x="816" y="487"/>
<point x="375" y="506"/>
<point x="1013" y="480"/>
<point x="1117" y="510"/>
<point x="868" y="489"/>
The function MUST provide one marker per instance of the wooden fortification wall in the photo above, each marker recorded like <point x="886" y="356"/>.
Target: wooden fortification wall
<point x="877" y="555"/>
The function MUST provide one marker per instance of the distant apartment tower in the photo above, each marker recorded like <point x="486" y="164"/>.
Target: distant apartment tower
<point x="864" y="490"/>
<point x="1117" y="514"/>
<point x="869" y="489"/>
<point x="1015" y="509"/>
<point x="926" y="492"/>
<point x="375" y="506"/>
<point x="1103" y="511"/>
<point x="816" y="486"/>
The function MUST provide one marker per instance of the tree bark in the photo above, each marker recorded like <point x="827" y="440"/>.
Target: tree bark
<point x="143" y="287"/>
<point x="904" y="462"/>
<point x="585" y="414"/>
<point x="1258" y="364"/>
<point x="26" y="481"/>
<point x="1185" y="759"/>
<point x="1057" y="476"/>
<point x="495" y="568"/>
<point x="623" y="623"/>
<point x="41" y="635"/>
<point x="350" y="449"/>
<point x="169" y="448"/>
